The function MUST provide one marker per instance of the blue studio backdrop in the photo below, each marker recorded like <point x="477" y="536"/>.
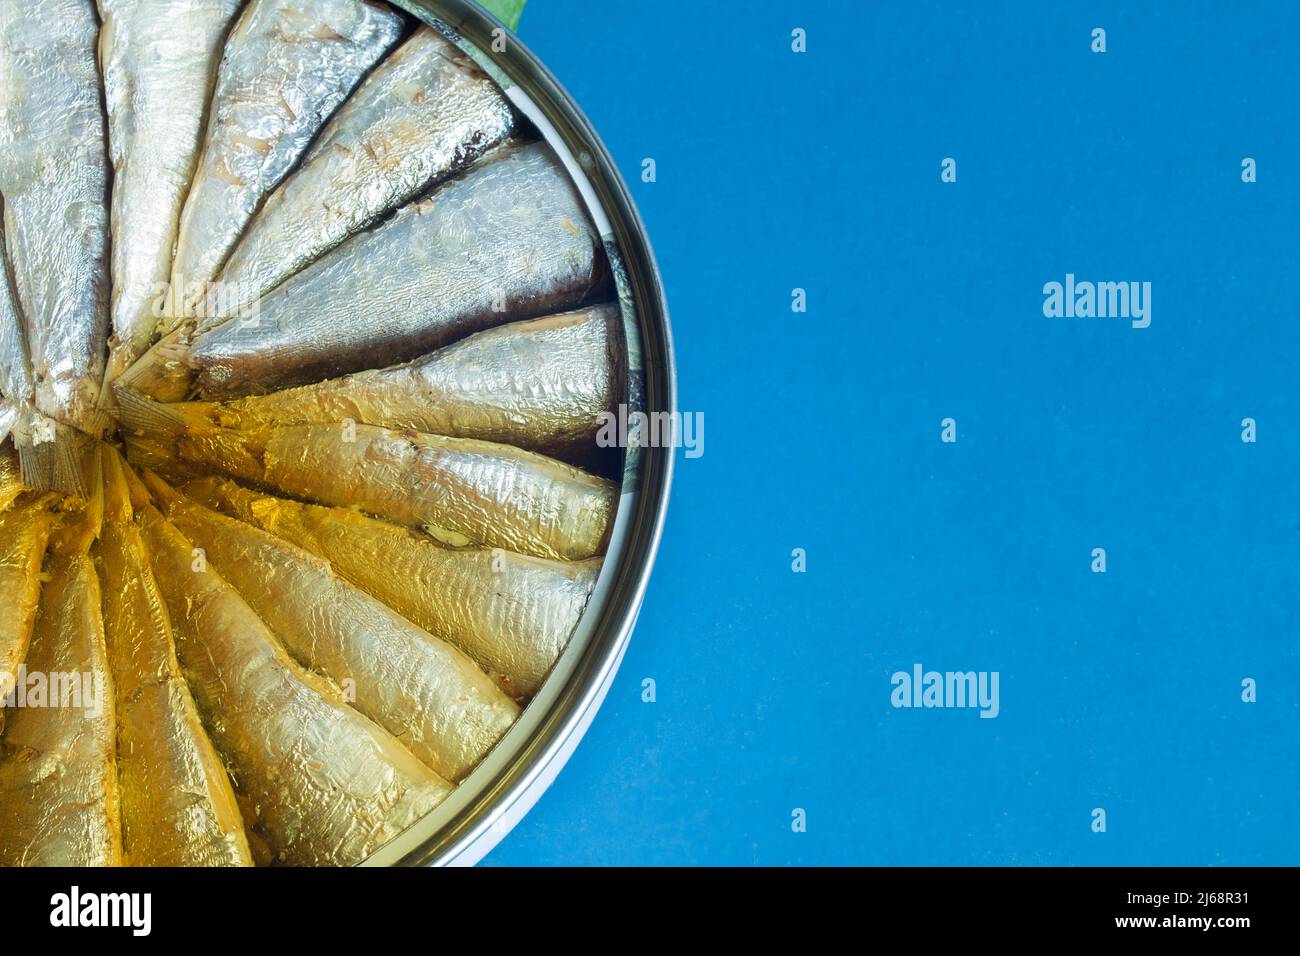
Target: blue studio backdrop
<point x="1125" y="691"/>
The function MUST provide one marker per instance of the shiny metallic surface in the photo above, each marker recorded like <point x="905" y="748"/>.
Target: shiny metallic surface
<point x="423" y="691"/>
<point x="288" y="64"/>
<point x="159" y="62"/>
<point x="425" y="113"/>
<point x="58" y="776"/>
<point x="11" y="481"/>
<point x="15" y="372"/>
<point x="177" y="805"/>
<point x="502" y="788"/>
<point x="418" y="280"/>
<point x="318" y="783"/>
<point x="18" y="415"/>
<point x="8" y="416"/>
<point x="458" y="490"/>
<point x="538" y="384"/>
<point x="315" y="779"/>
<point x="54" y="177"/>
<point x="511" y="613"/>
<point x="24" y="531"/>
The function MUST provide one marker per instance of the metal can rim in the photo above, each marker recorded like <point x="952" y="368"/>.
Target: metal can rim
<point x="498" y="793"/>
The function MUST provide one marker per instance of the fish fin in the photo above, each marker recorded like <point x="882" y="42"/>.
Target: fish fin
<point x="97" y="422"/>
<point x="36" y="464"/>
<point x="81" y="524"/>
<point x="70" y="469"/>
<point x="163" y="371"/>
<point x="146" y="416"/>
<point x="52" y="457"/>
<point x="34" y="439"/>
<point x="119" y="360"/>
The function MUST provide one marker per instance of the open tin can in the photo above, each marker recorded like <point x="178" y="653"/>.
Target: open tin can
<point x="506" y="784"/>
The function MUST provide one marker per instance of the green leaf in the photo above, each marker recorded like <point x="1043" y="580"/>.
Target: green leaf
<point x="507" y="11"/>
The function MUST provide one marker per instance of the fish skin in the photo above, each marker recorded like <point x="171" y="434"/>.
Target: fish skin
<point x="79" y="520"/>
<point x="11" y="479"/>
<point x="459" y="490"/>
<point x="320" y="785"/>
<point x="53" y="456"/>
<point x="39" y="455"/>
<point x="58" y="777"/>
<point x="24" y="532"/>
<point x="178" y="808"/>
<point x="159" y="61"/>
<point x="46" y="449"/>
<point x="54" y="177"/>
<point x="163" y="372"/>
<point x="511" y="613"/>
<point x="287" y="66"/>
<point x="15" y="367"/>
<point x="424" y="692"/>
<point x="540" y="384"/>
<point x="415" y="282"/>
<point x="425" y="113"/>
<point x="159" y="455"/>
<point x="17" y="391"/>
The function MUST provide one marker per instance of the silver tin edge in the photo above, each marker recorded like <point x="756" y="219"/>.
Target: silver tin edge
<point x="501" y="790"/>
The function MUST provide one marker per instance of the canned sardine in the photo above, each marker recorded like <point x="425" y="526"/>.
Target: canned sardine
<point x="308" y="350"/>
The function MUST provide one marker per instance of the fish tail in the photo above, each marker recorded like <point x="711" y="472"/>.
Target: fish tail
<point x="80" y="524"/>
<point x="163" y="371"/>
<point x="99" y="422"/>
<point x="120" y="358"/>
<point x="179" y="440"/>
<point x="71" y="462"/>
<point x="142" y="414"/>
<point x="52" y="457"/>
<point x="36" y="464"/>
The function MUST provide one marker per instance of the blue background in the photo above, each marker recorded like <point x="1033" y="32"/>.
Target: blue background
<point x="821" y="171"/>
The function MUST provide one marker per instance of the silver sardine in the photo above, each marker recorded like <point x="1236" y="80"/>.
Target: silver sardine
<point x="54" y="177"/>
<point x="540" y="384"/>
<point x="426" y="113"/>
<point x="288" y="64"/>
<point x="159" y="60"/>
<point x="24" y="532"/>
<point x="509" y="239"/>
<point x="15" y="367"/>
<point x="459" y="490"/>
